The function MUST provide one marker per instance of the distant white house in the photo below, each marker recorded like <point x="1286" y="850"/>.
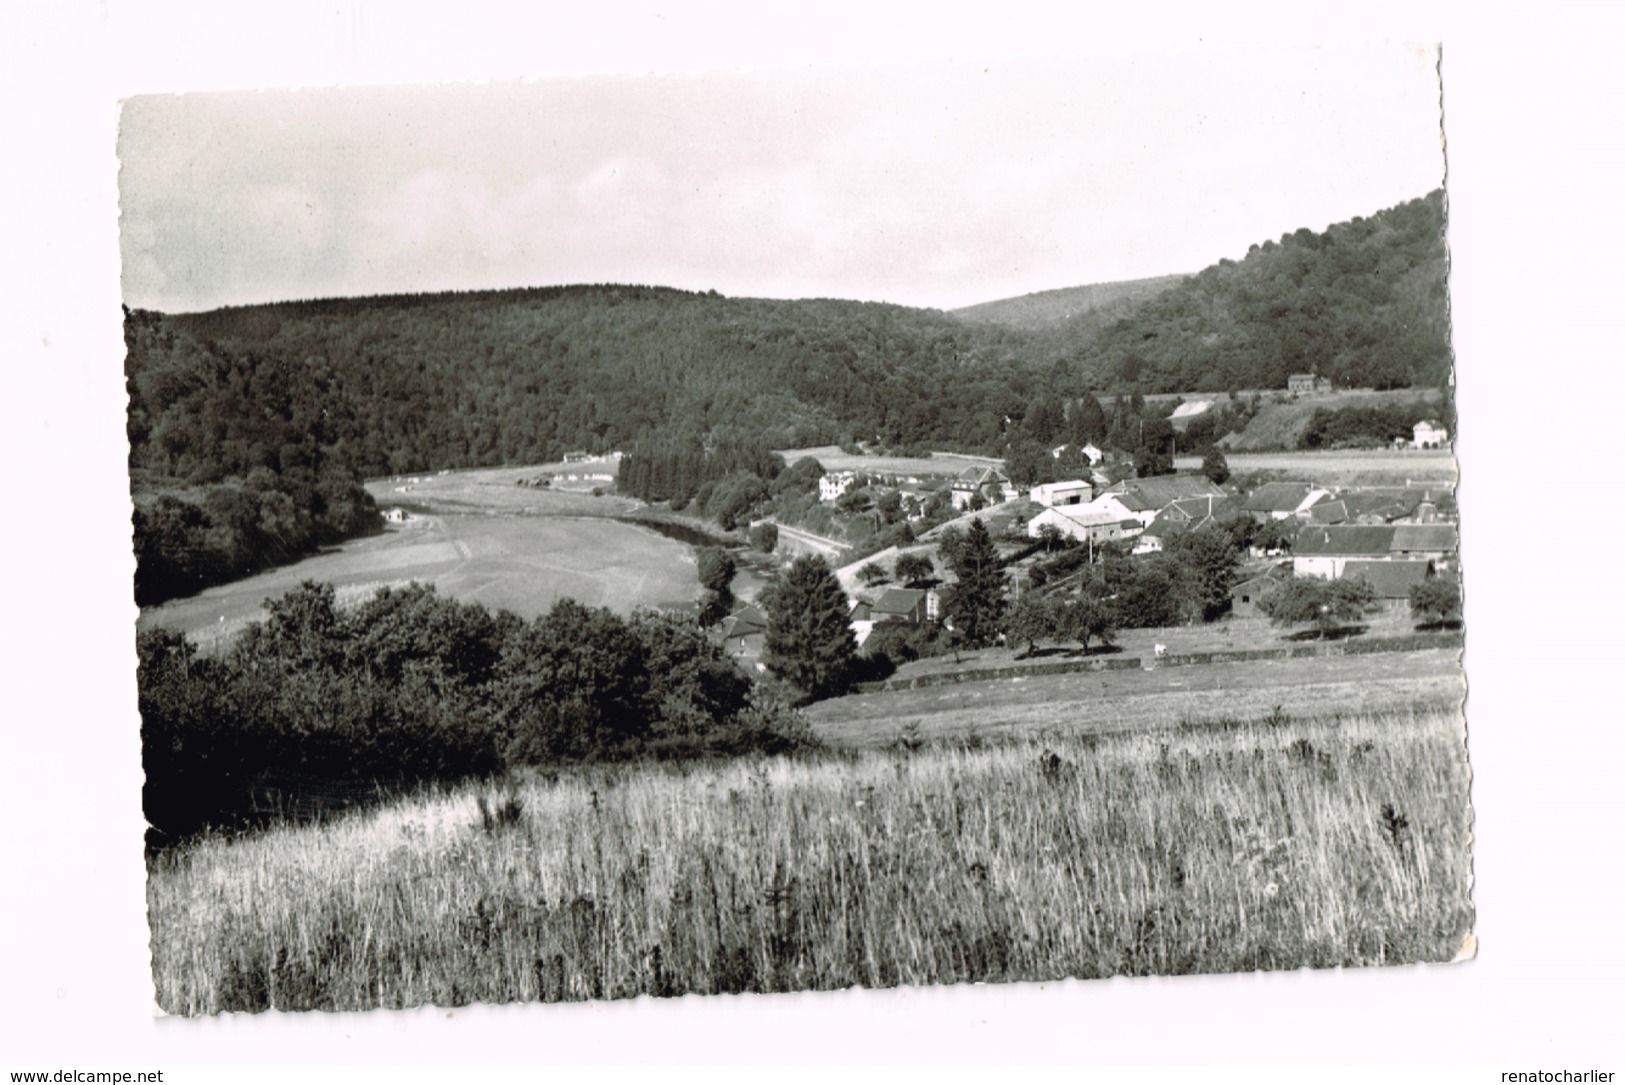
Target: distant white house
<point x="1089" y="450"/>
<point x="1429" y="434"/>
<point x="1053" y="494"/>
<point x="834" y="484"/>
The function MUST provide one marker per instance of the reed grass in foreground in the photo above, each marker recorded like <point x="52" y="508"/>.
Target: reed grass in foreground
<point x="1266" y="845"/>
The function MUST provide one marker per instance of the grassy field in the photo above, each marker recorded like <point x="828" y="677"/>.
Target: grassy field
<point x="509" y="560"/>
<point x="1352" y="467"/>
<point x="1277" y="844"/>
<point x="938" y="464"/>
<point x="1130" y="700"/>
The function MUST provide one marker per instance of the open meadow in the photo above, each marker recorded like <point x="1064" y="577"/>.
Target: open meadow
<point x="1235" y="846"/>
<point x="937" y="465"/>
<point x="502" y="558"/>
<point x="1346" y="467"/>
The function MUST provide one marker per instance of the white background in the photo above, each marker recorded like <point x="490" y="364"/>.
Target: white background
<point x="1532" y="114"/>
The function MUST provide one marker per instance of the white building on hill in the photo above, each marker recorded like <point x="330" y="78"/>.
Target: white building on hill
<point x="834" y="484"/>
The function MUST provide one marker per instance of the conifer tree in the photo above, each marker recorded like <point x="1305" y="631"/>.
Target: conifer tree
<point x="975" y="605"/>
<point x="809" y="638"/>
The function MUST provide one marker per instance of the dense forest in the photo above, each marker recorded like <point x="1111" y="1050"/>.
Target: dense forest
<point x="1362" y="303"/>
<point x="250" y="427"/>
<point x="237" y="461"/>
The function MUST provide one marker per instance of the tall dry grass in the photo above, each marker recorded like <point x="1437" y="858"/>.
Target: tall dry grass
<point x="1266" y="845"/>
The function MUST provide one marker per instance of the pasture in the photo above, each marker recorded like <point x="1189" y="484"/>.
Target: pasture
<point x="938" y="465"/>
<point x="1348" y="467"/>
<point x="1281" y="843"/>
<point x="512" y="561"/>
<point x="1097" y="702"/>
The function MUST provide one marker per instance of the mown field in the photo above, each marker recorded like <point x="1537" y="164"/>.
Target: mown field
<point x="1343" y="468"/>
<point x="1133" y="700"/>
<point x="939" y="464"/>
<point x="511" y="561"/>
<point x="1271" y="844"/>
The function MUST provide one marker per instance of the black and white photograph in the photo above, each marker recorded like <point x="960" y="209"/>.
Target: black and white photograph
<point x="701" y="541"/>
<point x="795" y="529"/>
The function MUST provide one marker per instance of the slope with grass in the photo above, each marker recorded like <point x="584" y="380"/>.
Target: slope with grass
<point x="1277" y="844"/>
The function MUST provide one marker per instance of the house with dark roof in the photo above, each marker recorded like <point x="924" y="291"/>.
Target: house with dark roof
<point x="1324" y="550"/>
<point x="1392" y="580"/>
<point x="1329" y="512"/>
<point x="1283" y="501"/>
<point x="1327" y="550"/>
<point x="1195" y="512"/>
<point x="992" y="484"/>
<point x="898" y="605"/>
<point x="744" y="632"/>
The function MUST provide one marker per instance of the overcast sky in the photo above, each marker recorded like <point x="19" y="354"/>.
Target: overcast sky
<point x="933" y="185"/>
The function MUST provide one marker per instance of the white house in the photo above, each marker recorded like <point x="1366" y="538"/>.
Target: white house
<point x="834" y="484"/>
<point x="1429" y="434"/>
<point x="1052" y="494"/>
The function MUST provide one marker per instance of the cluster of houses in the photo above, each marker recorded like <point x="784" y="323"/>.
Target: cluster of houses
<point x="1393" y="537"/>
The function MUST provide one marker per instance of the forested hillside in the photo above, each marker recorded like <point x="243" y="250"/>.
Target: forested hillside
<point x="237" y="461"/>
<point x="1081" y="310"/>
<point x="270" y="413"/>
<point x="1362" y="303"/>
<point x="488" y="378"/>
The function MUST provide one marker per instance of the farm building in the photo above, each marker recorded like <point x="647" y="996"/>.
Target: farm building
<point x="1323" y="551"/>
<point x="1143" y="498"/>
<point x="1429" y="434"/>
<point x="1327" y="551"/>
<point x="899" y="605"/>
<point x="1053" y="494"/>
<point x="397" y="516"/>
<point x="1391" y="580"/>
<point x="1244" y="596"/>
<point x="991" y="483"/>
<point x="1436" y="542"/>
<point x="1283" y="501"/>
<point x="1078" y="522"/>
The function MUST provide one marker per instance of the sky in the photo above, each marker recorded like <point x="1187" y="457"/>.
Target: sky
<point x="936" y="185"/>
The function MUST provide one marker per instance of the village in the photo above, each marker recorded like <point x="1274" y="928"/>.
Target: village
<point x="1387" y="538"/>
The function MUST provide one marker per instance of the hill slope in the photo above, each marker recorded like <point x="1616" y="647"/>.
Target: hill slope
<point x="1081" y="309"/>
<point x="1362" y="303"/>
